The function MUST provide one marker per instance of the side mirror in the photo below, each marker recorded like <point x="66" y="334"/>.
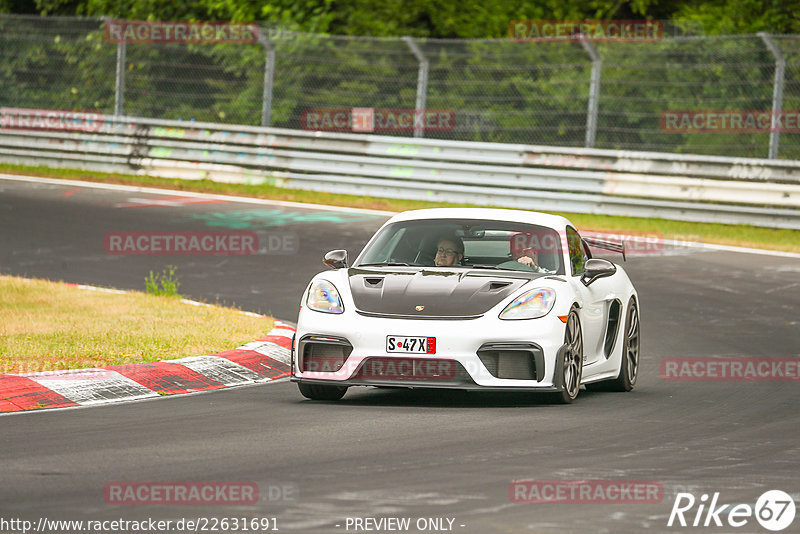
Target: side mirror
<point x="596" y="268"/>
<point x="336" y="259"/>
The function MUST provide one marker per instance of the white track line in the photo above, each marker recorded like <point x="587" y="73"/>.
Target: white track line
<point x="730" y="248"/>
<point x="322" y="207"/>
<point x="169" y="192"/>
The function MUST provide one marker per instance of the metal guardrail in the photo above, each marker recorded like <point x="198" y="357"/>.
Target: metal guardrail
<point x="646" y="184"/>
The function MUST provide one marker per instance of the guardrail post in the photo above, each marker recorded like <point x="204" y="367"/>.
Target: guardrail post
<point x="269" y="72"/>
<point x="422" y="87"/>
<point x="777" y="93"/>
<point x="119" y="92"/>
<point x="594" y="93"/>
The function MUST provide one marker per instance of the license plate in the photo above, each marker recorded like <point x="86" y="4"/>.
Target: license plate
<point x="411" y="345"/>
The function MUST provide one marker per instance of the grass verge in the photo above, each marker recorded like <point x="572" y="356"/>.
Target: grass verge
<point x="737" y="235"/>
<point x="47" y="326"/>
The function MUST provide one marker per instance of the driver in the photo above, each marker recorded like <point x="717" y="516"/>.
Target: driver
<point x="449" y="251"/>
<point x="530" y="257"/>
<point x="524" y="252"/>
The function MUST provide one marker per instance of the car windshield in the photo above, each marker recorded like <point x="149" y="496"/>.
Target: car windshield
<point x="464" y="243"/>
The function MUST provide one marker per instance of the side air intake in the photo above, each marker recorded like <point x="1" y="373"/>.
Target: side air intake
<point x="518" y="361"/>
<point x="323" y="354"/>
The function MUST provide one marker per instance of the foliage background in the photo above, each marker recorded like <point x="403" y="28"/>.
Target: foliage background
<point x="347" y="53"/>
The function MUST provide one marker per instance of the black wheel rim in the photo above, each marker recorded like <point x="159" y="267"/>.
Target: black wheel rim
<point x="573" y="356"/>
<point x="632" y="344"/>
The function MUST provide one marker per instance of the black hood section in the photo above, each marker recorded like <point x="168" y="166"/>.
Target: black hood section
<point x="442" y="293"/>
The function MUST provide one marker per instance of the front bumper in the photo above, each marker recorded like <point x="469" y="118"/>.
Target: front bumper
<point x="483" y="353"/>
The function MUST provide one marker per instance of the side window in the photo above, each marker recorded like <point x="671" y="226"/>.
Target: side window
<point x="577" y="254"/>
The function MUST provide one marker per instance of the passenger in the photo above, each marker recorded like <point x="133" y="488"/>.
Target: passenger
<point x="449" y="251"/>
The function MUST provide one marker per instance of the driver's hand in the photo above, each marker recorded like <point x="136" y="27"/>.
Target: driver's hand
<point x="528" y="261"/>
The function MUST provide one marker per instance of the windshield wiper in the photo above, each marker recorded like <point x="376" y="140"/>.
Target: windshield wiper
<point x="386" y="263"/>
<point x="482" y="266"/>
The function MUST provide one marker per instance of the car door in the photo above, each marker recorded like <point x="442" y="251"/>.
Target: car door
<point x="595" y="300"/>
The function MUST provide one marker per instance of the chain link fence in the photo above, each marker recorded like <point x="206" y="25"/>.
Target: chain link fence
<point x="563" y="93"/>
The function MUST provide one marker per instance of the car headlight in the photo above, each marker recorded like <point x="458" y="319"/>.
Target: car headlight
<point x="535" y="303"/>
<point x="324" y="297"/>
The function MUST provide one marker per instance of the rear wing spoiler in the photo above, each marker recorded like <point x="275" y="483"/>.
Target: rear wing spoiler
<point x="605" y="244"/>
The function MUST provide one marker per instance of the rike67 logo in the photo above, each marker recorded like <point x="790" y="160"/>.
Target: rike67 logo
<point x="774" y="510"/>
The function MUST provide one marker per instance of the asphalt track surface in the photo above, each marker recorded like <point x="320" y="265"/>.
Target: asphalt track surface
<point x="399" y="453"/>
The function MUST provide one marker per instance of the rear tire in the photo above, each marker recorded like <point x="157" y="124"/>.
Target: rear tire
<point x="629" y="364"/>
<point x="320" y="392"/>
<point x="570" y="367"/>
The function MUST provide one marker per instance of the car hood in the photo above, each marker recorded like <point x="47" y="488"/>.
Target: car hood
<point x="426" y="293"/>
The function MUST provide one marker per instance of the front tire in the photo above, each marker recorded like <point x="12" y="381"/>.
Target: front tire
<point x="571" y="365"/>
<point x="629" y="363"/>
<point x="320" y="392"/>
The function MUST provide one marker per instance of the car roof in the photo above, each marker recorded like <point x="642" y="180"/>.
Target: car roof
<point x="492" y="214"/>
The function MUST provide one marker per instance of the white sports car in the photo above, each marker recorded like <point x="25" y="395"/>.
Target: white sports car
<point x="469" y="298"/>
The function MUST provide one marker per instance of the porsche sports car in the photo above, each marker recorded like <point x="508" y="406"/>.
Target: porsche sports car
<point x="469" y="298"/>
